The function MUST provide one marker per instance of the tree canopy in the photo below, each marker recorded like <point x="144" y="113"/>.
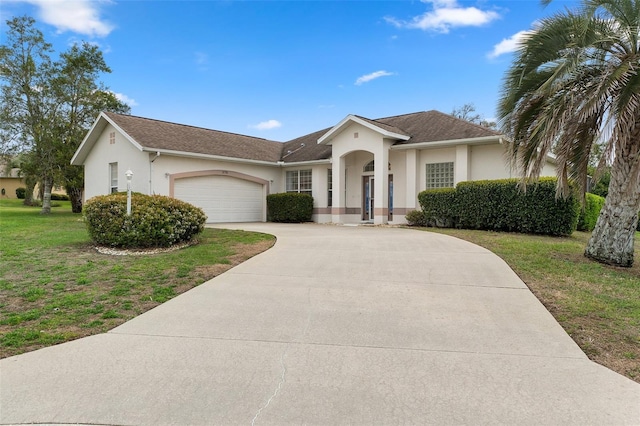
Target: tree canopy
<point x="48" y="105"/>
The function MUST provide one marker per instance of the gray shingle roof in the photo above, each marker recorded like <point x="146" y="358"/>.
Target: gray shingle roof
<point x="425" y="126"/>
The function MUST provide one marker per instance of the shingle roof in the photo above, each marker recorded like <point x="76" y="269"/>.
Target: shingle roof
<point x="425" y="126"/>
<point x="162" y="135"/>
<point x="433" y="126"/>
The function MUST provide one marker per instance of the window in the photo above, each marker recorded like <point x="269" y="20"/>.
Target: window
<point x="112" y="138"/>
<point x="439" y="175"/>
<point x="329" y="187"/>
<point x="299" y="181"/>
<point x="369" y="167"/>
<point x="113" y="177"/>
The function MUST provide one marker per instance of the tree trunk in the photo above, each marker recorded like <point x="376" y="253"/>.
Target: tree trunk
<point x="30" y="183"/>
<point x="47" y="184"/>
<point x="75" y="195"/>
<point x="612" y="238"/>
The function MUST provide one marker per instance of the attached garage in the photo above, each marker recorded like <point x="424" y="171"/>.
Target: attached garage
<point x="224" y="196"/>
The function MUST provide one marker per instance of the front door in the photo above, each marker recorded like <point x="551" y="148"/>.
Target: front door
<point x="368" y="191"/>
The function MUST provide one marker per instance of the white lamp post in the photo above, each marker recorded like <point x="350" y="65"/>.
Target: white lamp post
<point x="129" y="175"/>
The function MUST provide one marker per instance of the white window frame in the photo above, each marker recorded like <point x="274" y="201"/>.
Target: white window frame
<point x="300" y="181"/>
<point x="113" y="178"/>
<point x="440" y="175"/>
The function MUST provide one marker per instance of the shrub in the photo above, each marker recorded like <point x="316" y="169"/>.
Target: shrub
<point x="501" y="206"/>
<point x="21" y="193"/>
<point x="155" y="221"/>
<point x="289" y="207"/>
<point x="590" y="212"/>
<point x="416" y="218"/>
<point x="438" y="206"/>
<point x="59" y="197"/>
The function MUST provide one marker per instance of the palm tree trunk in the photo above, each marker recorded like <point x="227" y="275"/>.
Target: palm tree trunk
<point x="612" y="238"/>
<point x="75" y="195"/>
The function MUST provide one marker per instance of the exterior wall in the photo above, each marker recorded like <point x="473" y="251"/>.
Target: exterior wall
<point x="427" y="156"/>
<point x="489" y="162"/>
<point x="319" y="187"/>
<point x="8" y="186"/>
<point x="164" y="166"/>
<point x="127" y="156"/>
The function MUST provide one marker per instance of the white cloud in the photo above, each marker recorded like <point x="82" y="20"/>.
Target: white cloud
<point x="372" y="76"/>
<point x="125" y="99"/>
<point x="267" y="125"/>
<point x="508" y="45"/>
<point x="446" y="14"/>
<point x="78" y="16"/>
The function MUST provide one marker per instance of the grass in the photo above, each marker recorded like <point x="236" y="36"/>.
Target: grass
<point x="598" y="305"/>
<point x="55" y="287"/>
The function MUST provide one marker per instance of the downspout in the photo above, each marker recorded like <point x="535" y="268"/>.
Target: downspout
<point x="151" y="172"/>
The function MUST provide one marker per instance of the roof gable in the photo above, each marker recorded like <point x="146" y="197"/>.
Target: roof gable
<point x="386" y="130"/>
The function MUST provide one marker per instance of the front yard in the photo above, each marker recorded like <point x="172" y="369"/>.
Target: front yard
<point x="55" y="287"/>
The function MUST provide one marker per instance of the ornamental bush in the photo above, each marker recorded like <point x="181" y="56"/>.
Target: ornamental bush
<point x="155" y="221"/>
<point x="500" y="205"/>
<point x="290" y="207"/>
<point x="21" y="193"/>
<point x="589" y="213"/>
<point x="416" y="218"/>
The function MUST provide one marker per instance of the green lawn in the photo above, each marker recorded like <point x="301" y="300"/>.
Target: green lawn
<point x="598" y="305"/>
<point x="55" y="287"/>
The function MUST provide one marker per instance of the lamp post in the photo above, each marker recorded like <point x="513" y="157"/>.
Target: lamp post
<point x="129" y="175"/>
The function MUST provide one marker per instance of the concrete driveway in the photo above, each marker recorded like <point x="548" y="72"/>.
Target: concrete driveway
<point x="333" y="325"/>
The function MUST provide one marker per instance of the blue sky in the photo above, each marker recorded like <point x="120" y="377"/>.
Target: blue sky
<point x="282" y="69"/>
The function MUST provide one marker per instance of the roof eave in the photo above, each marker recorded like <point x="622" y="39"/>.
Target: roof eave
<point x="483" y="140"/>
<point x="210" y="157"/>
<point x="305" y="163"/>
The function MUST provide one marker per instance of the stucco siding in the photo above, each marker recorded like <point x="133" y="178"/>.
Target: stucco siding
<point x="165" y="165"/>
<point x="128" y="157"/>
<point x="488" y="162"/>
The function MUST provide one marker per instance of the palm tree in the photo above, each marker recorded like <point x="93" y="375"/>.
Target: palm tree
<point x="575" y="82"/>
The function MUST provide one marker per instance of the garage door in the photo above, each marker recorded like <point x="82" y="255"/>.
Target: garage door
<point x="223" y="198"/>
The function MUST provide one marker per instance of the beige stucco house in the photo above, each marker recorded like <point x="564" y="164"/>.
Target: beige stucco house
<point x="359" y="170"/>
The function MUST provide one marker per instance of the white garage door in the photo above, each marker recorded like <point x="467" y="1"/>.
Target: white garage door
<point x="223" y="198"/>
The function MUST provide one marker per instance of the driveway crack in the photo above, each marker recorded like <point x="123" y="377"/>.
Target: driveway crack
<point x="283" y="375"/>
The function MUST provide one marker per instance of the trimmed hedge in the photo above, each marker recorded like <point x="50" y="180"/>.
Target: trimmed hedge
<point x="21" y="193"/>
<point x="59" y="197"/>
<point x="438" y="207"/>
<point x="589" y="213"/>
<point x="501" y="206"/>
<point x="155" y="221"/>
<point x="291" y="207"/>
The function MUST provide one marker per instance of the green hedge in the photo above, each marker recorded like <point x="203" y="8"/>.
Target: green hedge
<point x="438" y="207"/>
<point x="59" y="197"/>
<point x="155" y="221"/>
<point x="501" y="206"/>
<point x="289" y="207"/>
<point x="21" y="193"/>
<point x="590" y="212"/>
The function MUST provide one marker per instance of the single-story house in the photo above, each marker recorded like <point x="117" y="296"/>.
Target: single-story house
<point x="360" y="170"/>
